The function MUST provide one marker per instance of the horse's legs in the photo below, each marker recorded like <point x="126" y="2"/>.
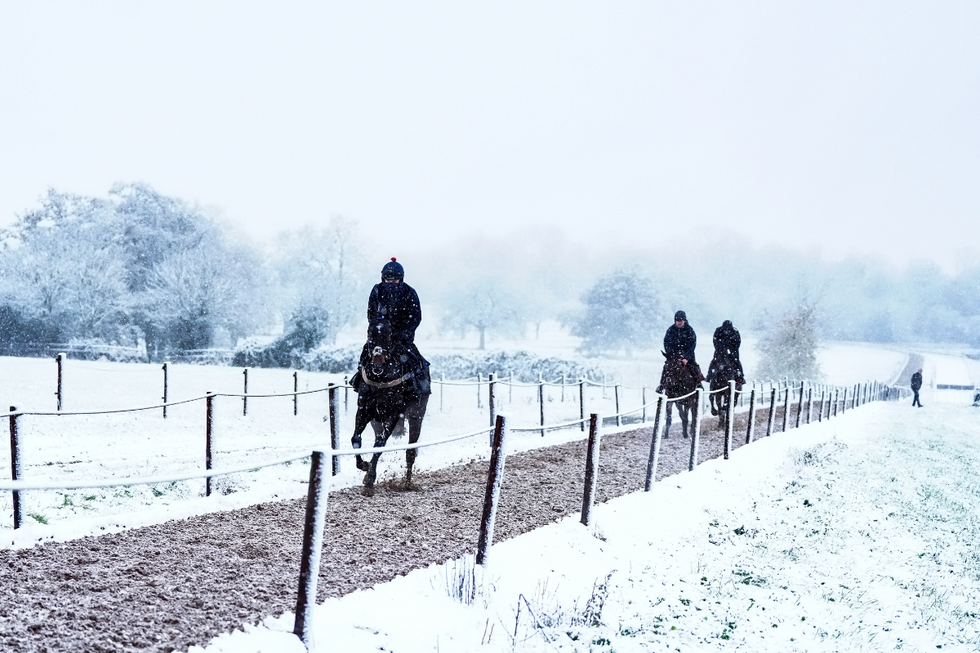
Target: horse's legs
<point x="361" y="420"/>
<point x="715" y="403"/>
<point x="380" y="440"/>
<point x="415" y="412"/>
<point x="684" y="410"/>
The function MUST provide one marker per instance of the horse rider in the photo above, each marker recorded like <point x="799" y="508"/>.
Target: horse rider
<point x="680" y="339"/>
<point x="727" y="342"/>
<point x="397" y="303"/>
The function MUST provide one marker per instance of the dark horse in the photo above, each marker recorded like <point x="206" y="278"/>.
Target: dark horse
<point x="392" y="384"/>
<point x="677" y="380"/>
<point x="724" y="368"/>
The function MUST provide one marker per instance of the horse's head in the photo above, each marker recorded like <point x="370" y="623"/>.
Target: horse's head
<point x="379" y="340"/>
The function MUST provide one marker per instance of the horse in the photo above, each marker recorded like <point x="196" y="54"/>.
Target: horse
<point x="724" y="368"/>
<point x="680" y="379"/>
<point x="389" y="389"/>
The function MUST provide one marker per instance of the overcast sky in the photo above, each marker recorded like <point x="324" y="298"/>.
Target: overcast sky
<point x="852" y="127"/>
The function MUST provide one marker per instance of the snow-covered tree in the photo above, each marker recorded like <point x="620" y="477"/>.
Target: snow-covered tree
<point x="321" y="277"/>
<point x="483" y="306"/>
<point x="789" y="346"/>
<point x="621" y="312"/>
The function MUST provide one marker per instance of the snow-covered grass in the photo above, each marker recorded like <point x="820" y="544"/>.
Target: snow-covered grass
<point x="850" y="535"/>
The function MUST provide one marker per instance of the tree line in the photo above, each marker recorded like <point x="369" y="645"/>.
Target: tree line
<point x="136" y="268"/>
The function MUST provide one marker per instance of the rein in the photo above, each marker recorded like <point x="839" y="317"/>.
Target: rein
<point x="386" y="384"/>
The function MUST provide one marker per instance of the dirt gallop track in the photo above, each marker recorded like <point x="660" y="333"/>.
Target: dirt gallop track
<point x="173" y="585"/>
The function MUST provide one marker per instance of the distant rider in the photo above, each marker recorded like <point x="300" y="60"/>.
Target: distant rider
<point x="727" y="342"/>
<point x="680" y="339"/>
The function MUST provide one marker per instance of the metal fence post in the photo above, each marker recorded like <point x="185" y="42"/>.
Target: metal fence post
<point x="295" y="393"/>
<point x="479" y="385"/>
<point x="15" y="467"/>
<point x="495" y="478"/>
<point x="591" y="468"/>
<point x="643" y="398"/>
<point x="581" y="403"/>
<point x="309" y="570"/>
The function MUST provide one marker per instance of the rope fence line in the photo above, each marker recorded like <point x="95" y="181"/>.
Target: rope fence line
<point x="56" y="485"/>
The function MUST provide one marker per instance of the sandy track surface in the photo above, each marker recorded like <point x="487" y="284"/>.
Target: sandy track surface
<point x="169" y="586"/>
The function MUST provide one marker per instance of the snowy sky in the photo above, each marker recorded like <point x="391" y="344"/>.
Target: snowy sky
<point x="852" y="123"/>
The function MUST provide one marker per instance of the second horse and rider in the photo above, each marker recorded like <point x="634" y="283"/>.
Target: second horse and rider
<point x="393" y="382"/>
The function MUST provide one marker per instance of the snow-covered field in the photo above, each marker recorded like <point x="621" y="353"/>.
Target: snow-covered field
<point x="852" y="534"/>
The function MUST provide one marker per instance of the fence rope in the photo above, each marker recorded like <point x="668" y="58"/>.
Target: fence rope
<point x="56" y="485"/>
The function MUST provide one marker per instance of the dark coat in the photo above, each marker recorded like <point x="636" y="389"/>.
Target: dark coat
<point x="916" y="381"/>
<point x="680" y="341"/>
<point x="727" y="340"/>
<point x="398" y="304"/>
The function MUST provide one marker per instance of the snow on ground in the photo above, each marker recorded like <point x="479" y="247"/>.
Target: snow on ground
<point x="832" y="537"/>
<point x="854" y="534"/>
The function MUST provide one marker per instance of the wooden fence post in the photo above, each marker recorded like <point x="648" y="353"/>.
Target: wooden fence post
<point x="750" y="430"/>
<point x="165" y="390"/>
<point x="309" y="566"/>
<point x="495" y="477"/>
<point x="799" y="408"/>
<point x="730" y="419"/>
<point x="772" y="412"/>
<point x="59" y="359"/>
<point x="208" y="434"/>
<point x="619" y="419"/>
<point x="591" y="468"/>
<point x="245" y="393"/>
<point x="295" y="393"/>
<point x="654" y="459"/>
<point x="479" y="385"/>
<point x="696" y="439"/>
<point x="541" y="402"/>
<point x="809" y="404"/>
<point x="786" y="409"/>
<point x="836" y="398"/>
<point x="491" y="398"/>
<point x="15" y="470"/>
<point x="563" y="388"/>
<point x="333" y="411"/>
<point x="346" y="383"/>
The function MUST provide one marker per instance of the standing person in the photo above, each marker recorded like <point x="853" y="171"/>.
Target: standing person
<point x="680" y="339"/>
<point x="727" y="342"/>
<point x="916" y="385"/>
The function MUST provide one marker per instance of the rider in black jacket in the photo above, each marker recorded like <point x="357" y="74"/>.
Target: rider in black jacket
<point x="727" y="342"/>
<point x="397" y="303"/>
<point x="680" y="339"/>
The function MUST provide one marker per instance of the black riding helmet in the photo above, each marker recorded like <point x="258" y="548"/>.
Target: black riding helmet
<point x="392" y="270"/>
